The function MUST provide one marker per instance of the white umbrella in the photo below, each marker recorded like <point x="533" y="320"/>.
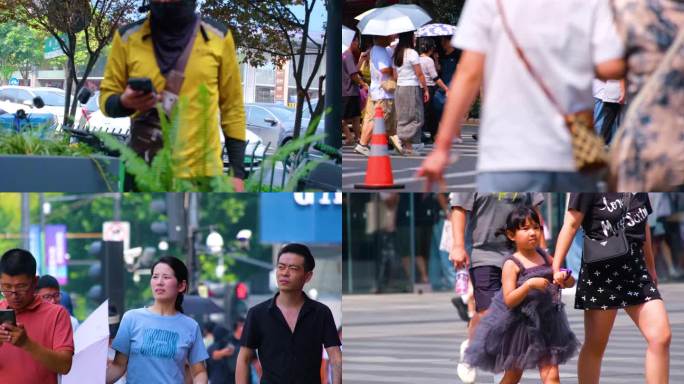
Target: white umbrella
<point x="347" y="37"/>
<point x="436" y="30"/>
<point x="91" y="344"/>
<point x="394" y="19"/>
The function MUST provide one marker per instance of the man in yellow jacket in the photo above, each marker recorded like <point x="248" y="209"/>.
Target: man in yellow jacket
<point x="150" y="48"/>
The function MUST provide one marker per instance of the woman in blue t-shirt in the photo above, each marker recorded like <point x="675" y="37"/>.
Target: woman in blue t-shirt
<point x="153" y="344"/>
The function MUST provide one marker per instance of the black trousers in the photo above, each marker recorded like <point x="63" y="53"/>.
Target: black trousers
<point x="430" y="115"/>
<point x="610" y="113"/>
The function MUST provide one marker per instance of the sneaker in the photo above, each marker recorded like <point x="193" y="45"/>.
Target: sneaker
<point x="475" y="136"/>
<point x="465" y="372"/>
<point x="362" y="149"/>
<point x="418" y="147"/>
<point x="395" y="142"/>
<point x="461" y="307"/>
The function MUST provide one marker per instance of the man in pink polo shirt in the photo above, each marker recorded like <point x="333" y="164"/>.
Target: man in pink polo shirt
<point x="41" y="345"/>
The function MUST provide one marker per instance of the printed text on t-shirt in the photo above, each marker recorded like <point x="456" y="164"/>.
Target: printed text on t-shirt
<point x="630" y="218"/>
<point x="159" y="343"/>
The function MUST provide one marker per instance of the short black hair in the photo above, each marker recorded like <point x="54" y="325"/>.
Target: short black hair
<point x="47" y="281"/>
<point x="301" y="250"/>
<point x="515" y="220"/>
<point x="426" y="45"/>
<point x="17" y="262"/>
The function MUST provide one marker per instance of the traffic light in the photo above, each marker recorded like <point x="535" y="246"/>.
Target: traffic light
<point x="174" y="225"/>
<point x="107" y="273"/>
<point x="236" y="306"/>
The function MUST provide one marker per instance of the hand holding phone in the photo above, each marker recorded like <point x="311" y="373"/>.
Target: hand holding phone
<point x="139" y="95"/>
<point x="141" y="84"/>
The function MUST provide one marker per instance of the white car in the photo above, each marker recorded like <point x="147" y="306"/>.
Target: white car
<point x="95" y="120"/>
<point x="52" y="97"/>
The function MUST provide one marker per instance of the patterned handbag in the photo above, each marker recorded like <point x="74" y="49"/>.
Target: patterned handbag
<point x="587" y="147"/>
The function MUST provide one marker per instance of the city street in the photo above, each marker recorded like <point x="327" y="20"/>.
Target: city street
<point x="408" y="338"/>
<point x="459" y="176"/>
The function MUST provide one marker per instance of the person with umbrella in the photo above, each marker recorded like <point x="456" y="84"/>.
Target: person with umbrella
<point x="410" y="95"/>
<point x="382" y="23"/>
<point x="433" y="80"/>
<point x="381" y="95"/>
<point x="154" y="343"/>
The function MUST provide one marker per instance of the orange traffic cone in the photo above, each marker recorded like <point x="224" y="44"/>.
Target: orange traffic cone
<point x="379" y="171"/>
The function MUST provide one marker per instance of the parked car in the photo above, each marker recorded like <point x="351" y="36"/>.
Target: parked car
<point x="268" y="121"/>
<point x="274" y="123"/>
<point x="95" y="120"/>
<point x="23" y="96"/>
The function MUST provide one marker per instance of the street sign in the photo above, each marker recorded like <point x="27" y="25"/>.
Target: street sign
<point x="52" y="49"/>
<point x="117" y="231"/>
<point x="304" y="217"/>
<point x="56" y="252"/>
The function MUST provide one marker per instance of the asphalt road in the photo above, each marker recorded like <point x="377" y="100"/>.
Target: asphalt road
<point x="460" y="176"/>
<point x="410" y="338"/>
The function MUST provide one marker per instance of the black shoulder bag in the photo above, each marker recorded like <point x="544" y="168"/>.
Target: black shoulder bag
<point x="614" y="246"/>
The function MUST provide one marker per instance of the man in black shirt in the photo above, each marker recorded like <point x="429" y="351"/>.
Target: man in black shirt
<point x="290" y="330"/>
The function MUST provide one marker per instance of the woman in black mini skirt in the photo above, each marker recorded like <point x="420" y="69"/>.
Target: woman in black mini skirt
<point x="626" y="281"/>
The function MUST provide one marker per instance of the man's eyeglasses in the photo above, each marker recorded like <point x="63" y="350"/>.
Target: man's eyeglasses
<point x="55" y="296"/>
<point x="17" y="290"/>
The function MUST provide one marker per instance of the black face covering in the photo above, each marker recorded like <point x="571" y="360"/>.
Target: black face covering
<point x="172" y="27"/>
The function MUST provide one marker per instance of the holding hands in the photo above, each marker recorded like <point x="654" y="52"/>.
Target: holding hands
<point x="563" y="278"/>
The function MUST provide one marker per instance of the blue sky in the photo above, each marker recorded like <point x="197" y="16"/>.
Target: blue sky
<point x="318" y="16"/>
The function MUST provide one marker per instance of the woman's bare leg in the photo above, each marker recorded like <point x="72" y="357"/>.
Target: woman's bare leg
<point x="652" y="320"/>
<point x="597" y="327"/>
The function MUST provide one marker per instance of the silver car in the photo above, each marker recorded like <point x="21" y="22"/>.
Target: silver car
<point x="274" y="123"/>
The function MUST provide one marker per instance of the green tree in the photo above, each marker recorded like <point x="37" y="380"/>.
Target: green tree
<point x="97" y="20"/>
<point x="20" y="49"/>
<point x="269" y="28"/>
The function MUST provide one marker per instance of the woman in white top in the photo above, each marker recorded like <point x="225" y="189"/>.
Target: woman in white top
<point x="432" y="79"/>
<point x="411" y="93"/>
<point x="524" y="144"/>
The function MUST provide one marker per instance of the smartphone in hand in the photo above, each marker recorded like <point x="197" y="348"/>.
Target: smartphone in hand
<point x="8" y="316"/>
<point x="143" y="84"/>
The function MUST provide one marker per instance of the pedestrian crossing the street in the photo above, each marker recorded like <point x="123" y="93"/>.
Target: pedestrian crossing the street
<point x="458" y="176"/>
<point x="416" y="338"/>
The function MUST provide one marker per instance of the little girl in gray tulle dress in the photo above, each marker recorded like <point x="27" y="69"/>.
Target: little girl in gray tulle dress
<point x="526" y="325"/>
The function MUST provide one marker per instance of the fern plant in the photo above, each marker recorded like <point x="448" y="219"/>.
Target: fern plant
<point x="162" y="173"/>
<point x="40" y="142"/>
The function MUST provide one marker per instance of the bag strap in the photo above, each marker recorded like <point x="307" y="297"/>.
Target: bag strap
<point x="626" y="202"/>
<point x="182" y="61"/>
<point x="526" y="62"/>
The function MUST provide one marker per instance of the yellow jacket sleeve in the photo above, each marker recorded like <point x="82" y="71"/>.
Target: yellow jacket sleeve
<point x="115" y="75"/>
<point x="233" y="122"/>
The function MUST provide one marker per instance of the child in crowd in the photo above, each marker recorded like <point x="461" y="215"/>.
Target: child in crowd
<point x="526" y="325"/>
